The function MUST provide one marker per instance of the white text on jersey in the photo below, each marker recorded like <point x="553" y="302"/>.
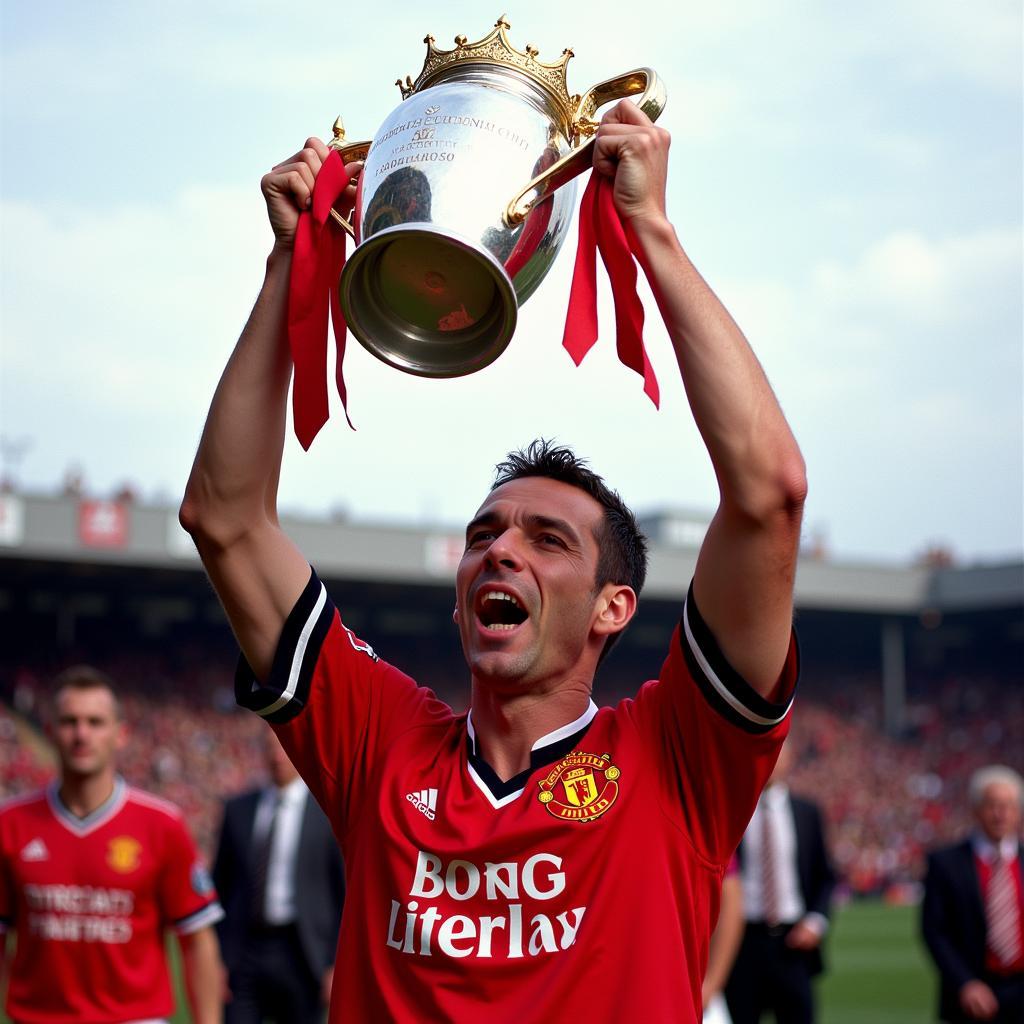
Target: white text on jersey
<point x="458" y="935"/>
<point x="80" y="913"/>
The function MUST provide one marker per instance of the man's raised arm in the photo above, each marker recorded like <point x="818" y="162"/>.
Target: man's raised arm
<point x="230" y="504"/>
<point x="744" y="579"/>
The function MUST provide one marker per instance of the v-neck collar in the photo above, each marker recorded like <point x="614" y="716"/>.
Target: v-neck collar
<point x="546" y="750"/>
<point x="94" y="819"/>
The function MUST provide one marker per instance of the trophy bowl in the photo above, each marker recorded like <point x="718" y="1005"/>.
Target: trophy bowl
<point x="465" y="198"/>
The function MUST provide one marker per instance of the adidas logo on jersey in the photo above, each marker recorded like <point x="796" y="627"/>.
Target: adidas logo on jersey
<point x="35" y="850"/>
<point x="425" y="801"/>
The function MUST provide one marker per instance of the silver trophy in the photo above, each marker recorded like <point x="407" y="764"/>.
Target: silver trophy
<point x="465" y="199"/>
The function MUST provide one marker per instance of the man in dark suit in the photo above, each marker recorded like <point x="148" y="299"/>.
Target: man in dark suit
<point x="973" y="913"/>
<point x="788" y="881"/>
<point x="282" y="885"/>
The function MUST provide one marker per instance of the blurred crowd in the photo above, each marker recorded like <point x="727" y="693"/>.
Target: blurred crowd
<point x="886" y="800"/>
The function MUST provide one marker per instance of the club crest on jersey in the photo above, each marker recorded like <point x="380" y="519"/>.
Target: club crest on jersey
<point x="123" y="854"/>
<point x="580" y="787"/>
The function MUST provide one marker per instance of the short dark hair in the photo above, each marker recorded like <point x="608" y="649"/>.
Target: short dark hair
<point x="622" y="547"/>
<point x="84" y="677"/>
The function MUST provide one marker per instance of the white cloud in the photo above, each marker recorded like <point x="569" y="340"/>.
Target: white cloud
<point x="112" y="303"/>
<point x="901" y="371"/>
<point x="980" y="41"/>
<point x="946" y="283"/>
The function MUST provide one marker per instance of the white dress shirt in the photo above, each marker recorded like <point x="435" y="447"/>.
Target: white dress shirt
<point x="985" y="849"/>
<point x="279" y="908"/>
<point x="774" y="801"/>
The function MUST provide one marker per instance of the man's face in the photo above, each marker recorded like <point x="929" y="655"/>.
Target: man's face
<point x="998" y="812"/>
<point x="87" y="731"/>
<point x="525" y="585"/>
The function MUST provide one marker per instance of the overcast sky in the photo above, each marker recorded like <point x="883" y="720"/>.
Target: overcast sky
<point x="846" y="176"/>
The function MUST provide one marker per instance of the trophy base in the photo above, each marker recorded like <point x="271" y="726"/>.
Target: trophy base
<point x="428" y="302"/>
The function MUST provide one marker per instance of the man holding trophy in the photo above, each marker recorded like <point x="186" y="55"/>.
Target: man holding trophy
<point x="538" y="858"/>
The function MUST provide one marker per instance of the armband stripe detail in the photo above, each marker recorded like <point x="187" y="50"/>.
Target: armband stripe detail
<point x="298" y="656"/>
<point x="286" y="691"/>
<point x="210" y="914"/>
<point x="723" y="687"/>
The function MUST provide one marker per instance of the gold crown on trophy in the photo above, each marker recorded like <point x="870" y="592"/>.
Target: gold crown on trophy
<point x="495" y="48"/>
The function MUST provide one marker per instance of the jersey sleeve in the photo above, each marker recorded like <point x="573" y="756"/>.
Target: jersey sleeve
<point x="335" y="705"/>
<point x="715" y="739"/>
<point x="188" y="900"/>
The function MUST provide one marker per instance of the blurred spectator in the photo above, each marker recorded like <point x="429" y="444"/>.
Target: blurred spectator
<point x="180" y="747"/>
<point x="787" y="894"/>
<point x="95" y="874"/>
<point x="973" y="914"/>
<point x="281" y="880"/>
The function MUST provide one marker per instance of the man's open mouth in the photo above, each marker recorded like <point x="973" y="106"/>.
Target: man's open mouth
<point x="500" y="611"/>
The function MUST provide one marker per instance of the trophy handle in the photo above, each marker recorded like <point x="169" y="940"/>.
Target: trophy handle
<point x="578" y="160"/>
<point x="350" y="152"/>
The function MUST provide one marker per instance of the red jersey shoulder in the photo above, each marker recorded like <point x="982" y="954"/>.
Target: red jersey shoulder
<point x="22" y="804"/>
<point x="23" y="816"/>
<point x="149" y="802"/>
<point x="23" y="811"/>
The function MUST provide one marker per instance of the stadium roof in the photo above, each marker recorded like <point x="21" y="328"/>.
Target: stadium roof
<point x="72" y="529"/>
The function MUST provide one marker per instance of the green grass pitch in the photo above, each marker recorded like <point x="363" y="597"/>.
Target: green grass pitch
<point x="879" y="971"/>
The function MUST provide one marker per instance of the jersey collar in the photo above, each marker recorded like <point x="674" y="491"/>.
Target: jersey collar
<point x="94" y="819"/>
<point x="546" y="750"/>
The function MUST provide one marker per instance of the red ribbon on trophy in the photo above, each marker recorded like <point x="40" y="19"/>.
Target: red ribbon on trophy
<point x="602" y="229"/>
<point x="319" y="257"/>
<point x="317" y="261"/>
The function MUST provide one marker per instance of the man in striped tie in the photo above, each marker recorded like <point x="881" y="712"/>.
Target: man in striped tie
<point x="973" y="915"/>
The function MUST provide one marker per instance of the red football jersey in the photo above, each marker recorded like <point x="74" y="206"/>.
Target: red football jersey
<point x="584" y="889"/>
<point x="89" y="899"/>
